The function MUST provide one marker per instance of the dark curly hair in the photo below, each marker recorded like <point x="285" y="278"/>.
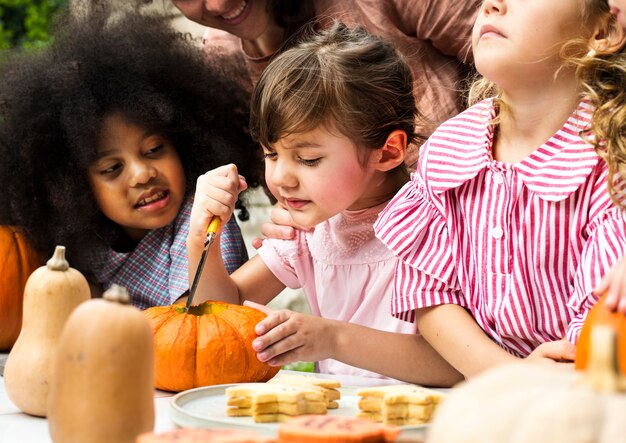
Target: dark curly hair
<point x="52" y="105"/>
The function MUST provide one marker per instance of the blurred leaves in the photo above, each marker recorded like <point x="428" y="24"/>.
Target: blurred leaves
<point x="302" y="366"/>
<point x="26" y="23"/>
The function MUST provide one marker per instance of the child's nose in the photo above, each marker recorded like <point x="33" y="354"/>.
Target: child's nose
<point x="282" y="176"/>
<point x="141" y="173"/>
<point x="491" y="6"/>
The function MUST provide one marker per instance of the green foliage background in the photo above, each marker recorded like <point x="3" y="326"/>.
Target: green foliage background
<point x="26" y="23"/>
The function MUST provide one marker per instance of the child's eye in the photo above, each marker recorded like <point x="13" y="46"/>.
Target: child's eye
<point x="269" y="155"/>
<point x="310" y="162"/>
<point x="155" y="150"/>
<point x="111" y="169"/>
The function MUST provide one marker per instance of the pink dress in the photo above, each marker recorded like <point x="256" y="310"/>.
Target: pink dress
<point x="345" y="272"/>
<point x="520" y="246"/>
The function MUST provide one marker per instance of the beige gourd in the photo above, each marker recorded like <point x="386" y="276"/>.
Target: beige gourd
<point x="530" y="402"/>
<point x="102" y="384"/>
<point x="51" y="293"/>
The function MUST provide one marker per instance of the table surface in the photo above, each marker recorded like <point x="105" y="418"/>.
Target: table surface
<point x="17" y="427"/>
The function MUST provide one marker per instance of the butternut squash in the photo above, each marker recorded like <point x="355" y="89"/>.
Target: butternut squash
<point x="50" y="295"/>
<point x="102" y="381"/>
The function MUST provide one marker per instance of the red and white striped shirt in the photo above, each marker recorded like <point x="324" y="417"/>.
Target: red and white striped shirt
<point x="521" y="246"/>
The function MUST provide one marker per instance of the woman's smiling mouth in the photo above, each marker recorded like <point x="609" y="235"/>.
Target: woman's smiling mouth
<point x="231" y="15"/>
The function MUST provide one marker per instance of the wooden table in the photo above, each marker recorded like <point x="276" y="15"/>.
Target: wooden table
<point x="17" y="427"/>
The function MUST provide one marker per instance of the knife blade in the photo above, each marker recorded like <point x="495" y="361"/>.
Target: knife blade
<point x="211" y="232"/>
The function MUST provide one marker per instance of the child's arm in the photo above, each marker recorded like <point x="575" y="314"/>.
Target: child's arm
<point x="287" y="336"/>
<point x="216" y="194"/>
<point x="454" y="333"/>
<point x="615" y="283"/>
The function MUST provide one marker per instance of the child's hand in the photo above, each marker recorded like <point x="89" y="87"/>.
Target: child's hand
<point x="615" y="283"/>
<point x="281" y="226"/>
<point x="217" y="192"/>
<point x="286" y="336"/>
<point x="558" y="351"/>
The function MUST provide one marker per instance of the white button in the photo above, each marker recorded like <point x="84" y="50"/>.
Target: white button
<point x="497" y="232"/>
<point x="498" y="179"/>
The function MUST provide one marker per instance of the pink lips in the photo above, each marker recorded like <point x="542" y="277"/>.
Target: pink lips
<point x="489" y="30"/>
<point x="295" y="203"/>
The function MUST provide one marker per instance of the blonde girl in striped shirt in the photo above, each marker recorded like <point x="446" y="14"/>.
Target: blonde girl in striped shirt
<point x="603" y="73"/>
<point x="506" y="227"/>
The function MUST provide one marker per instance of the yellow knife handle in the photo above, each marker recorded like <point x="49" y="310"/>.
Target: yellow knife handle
<point x="214" y="225"/>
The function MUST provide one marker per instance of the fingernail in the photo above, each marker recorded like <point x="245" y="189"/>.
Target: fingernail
<point x="257" y="345"/>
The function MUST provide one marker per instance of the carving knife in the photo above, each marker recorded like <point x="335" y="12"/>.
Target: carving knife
<point x="211" y="232"/>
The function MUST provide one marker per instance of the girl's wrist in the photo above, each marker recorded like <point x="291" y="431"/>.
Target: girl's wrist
<point x="337" y="338"/>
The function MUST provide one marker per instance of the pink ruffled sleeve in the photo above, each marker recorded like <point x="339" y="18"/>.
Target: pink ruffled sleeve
<point x="415" y="230"/>
<point x="605" y="246"/>
<point x="281" y="257"/>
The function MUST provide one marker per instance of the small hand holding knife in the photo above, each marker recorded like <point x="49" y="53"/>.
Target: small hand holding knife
<point x="211" y="232"/>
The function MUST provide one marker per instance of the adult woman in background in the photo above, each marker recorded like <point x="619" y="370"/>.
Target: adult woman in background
<point x="433" y="35"/>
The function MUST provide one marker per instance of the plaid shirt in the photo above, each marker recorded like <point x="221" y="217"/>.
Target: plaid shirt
<point x="155" y="272"/>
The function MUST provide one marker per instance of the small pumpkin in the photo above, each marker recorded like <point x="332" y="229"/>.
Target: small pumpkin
<point x="101" y="389"/>
<point x="209" y="345"/>
<point x="18" y="259"/>
<point x="51" y="294"/>
<point x="599" y="315"/>
<point x="530" y="402"/>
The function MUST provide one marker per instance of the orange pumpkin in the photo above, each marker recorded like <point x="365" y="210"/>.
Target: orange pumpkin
<point x="210" y="345"/>
<point x="599" y="315"/>
<point x="18" y="260"/>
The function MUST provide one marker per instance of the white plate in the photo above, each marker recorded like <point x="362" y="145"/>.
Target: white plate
<point x="206" y="408"/>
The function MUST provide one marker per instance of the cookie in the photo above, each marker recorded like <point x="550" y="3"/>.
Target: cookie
<point x="273" y="402"/>
<point x="299" y="408"/>
<point x="329" y="387"/>
<point x="267" y="393"/>
<point x="402" y="393"/>
<point x="334" y="429"/>
<point x="398" y="404"/>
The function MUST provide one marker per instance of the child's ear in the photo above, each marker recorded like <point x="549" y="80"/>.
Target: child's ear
<point x="608" y="38"/>
<point x="392" y="153"/>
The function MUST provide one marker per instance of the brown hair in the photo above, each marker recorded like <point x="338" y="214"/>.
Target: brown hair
<point x="603" y="77"/>
<point x="345" y="78"/>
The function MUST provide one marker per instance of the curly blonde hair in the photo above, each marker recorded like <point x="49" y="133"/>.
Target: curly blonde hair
<point x="602" y="74"/>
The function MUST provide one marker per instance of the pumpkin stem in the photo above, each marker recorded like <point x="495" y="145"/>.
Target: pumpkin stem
<point x="117" y="294"/>
<point x="57" y="262"/>
<point x="602" y="369"/>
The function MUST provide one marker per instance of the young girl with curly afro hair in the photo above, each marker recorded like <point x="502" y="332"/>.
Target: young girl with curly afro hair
<point x="102" y="137"/>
